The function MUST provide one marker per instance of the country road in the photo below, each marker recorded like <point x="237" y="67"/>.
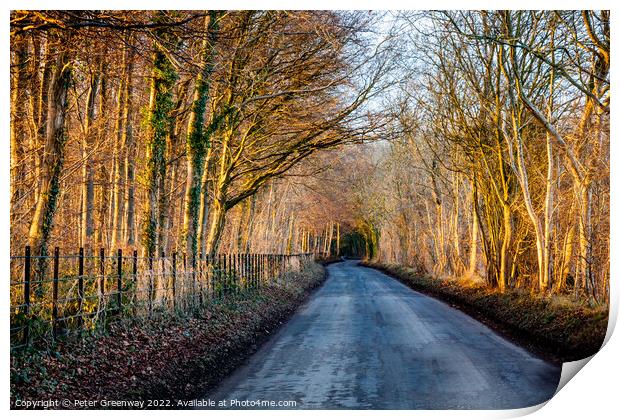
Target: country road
<point x="366" y="341"/>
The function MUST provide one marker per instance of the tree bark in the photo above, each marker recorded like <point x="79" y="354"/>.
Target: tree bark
<point x="218" y="218"/>
<point x="130" y="144"/>
<point x="119" y="158"/>
<point x="198" y="141"/>
<point x="18" y="117"/>
<point x="88" y="188"/>
<point x="43" y="218"/>
<point x="160" y="106"/>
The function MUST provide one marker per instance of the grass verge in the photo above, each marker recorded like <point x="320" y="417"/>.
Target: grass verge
<point x="556" y="328"/>
<point x="177" y="358"/>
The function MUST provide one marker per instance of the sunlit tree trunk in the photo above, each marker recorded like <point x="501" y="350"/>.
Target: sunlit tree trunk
<point x="120" y="135"/>
<point x="217" y="207"/>
<point x="43" y="218"/>
<point x="517" y="153"/>
<point x="164" y="77"/>
<point x="88" y="175"/>
<point x="248" y="233"/>
<point x="39" y="67"/>
<point x="338" y="239"/>
<point x="130" y="166"/>
<point x="103" y="193"/>
<point x="218" y="218"/>
<point x="198" y="141"/>
<point x="330" y="238"/>
<point x="456" y="243"/>
<point x="291" y="231"/>
<point x="203" y="212"/>
<point x="18" y="117"/>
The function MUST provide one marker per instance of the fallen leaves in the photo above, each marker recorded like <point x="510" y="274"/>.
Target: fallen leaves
<point x="168" y="358"/>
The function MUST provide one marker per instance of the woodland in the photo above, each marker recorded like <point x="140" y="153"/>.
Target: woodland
<point x="462" y="144"/>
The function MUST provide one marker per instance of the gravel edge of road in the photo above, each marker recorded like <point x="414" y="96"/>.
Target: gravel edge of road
<point x="552" y="350"/>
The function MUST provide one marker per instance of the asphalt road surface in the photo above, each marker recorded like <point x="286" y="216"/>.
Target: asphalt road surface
<point x="366" y="341"/>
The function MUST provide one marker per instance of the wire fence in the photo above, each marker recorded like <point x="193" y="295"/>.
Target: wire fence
<point x="60" y="295"/>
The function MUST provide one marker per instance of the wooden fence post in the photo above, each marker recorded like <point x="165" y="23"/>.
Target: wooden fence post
<point x="150" y="288"/>
<point x="210" y="275"/>
<point x="261" y="266"/>
<point x="234" y="276"/>
<point x="119" y="281"/>
<point x="102" y="279"/>
<point x="81" y="286"/>
<point x="162" y="275"/>
<point x="201" y="273"/>
<point x="174" y="279"/>
<point x="55" y="292"/>
<point x="280" y="265"/>
<point x="272" y="264"/>
<point x="102" y="271"/>
<point x="185" y="295"/>
<point x="253" y="270"/>
<point x="27" y="270"/>
<point x="287" y="267"/>
<point x="229" y="274"/>
<point x="244" y="269"/>
<point x="224" y="273"/>
<point x="248" y="274"/>
<point x="135" y="277"/>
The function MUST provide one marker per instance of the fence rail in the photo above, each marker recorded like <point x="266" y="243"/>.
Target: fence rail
<point x="58" y="294"/>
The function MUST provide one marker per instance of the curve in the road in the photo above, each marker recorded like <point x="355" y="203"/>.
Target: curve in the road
<point x="366" y="341"/>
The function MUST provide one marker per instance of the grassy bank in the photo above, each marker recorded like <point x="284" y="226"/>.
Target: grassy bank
<point x="557" y="327"/>
<point x="173" y="358"/>
<point x="325" y="261"/>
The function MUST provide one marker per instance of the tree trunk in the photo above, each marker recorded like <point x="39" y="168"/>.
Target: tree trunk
<point x="584" y="262"/>
<point x="504" y="268"/>
<point x="338" y="239"/>
<point x="119" y="159"/>
<point x="130" y="168"/>
<point x="43" y="218"/>
<point x="218" y="218"/>
<point x="548" y="220"/>
<point x="18" y="117"/>
<point x="330" y="239"/>
<point x="88" y="188"/>
<point x="289" y="241"/>
<point x="217" y="208"/>
<point x="160" y="106"/>
<point x="198" y="141"/>
<point x="567" y="255"/>
<point x="203" y="212"/>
